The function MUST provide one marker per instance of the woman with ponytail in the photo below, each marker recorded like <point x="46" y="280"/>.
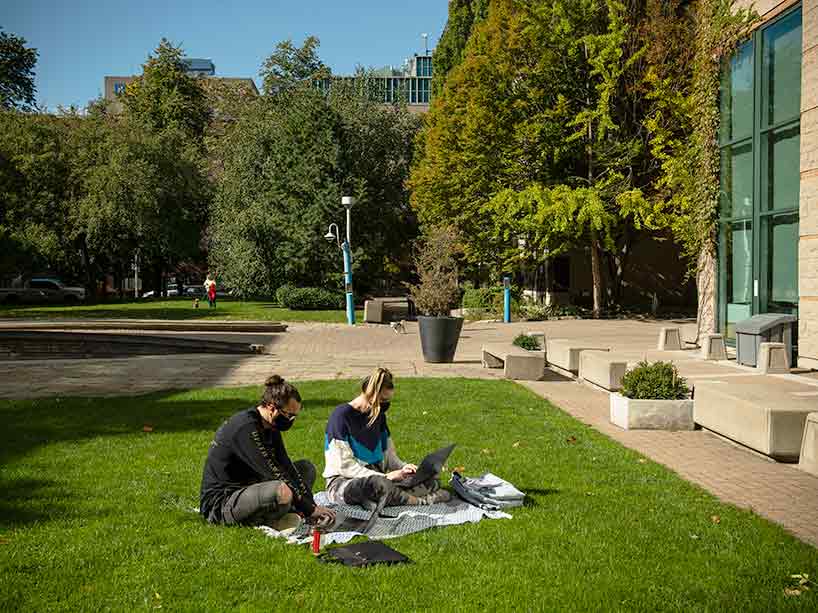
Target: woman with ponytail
<point x="361" y="463"/>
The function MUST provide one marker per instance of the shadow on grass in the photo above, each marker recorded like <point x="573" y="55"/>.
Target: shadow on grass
<point x="28" y="501"/>
<point x="530" y="501"/>
<point x="29" y="424"/>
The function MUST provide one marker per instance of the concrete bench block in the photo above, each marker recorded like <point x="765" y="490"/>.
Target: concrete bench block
<point x="773" y="359"/>
<point x="763" y="415"/>
<point x="630" y="414"/>
<point x="373" y="311"/>
<point x="670" y="339"/>
<point x="808" y="460"/>
<point x="564" y="353"/>
<point x="713" y="347"/>
<point x="602" y="368"/>
<point x="517" y="363"/>
<point x="525" y="367"/>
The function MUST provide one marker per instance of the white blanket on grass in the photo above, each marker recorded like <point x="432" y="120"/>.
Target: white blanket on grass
<point x="406" y="520"/>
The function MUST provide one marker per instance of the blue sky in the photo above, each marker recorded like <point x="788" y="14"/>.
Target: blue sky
<point x="82" y="41"/>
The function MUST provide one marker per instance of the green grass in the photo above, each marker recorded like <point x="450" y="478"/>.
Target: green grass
<point x="95" y="515"/>
<point x="175" y="308"/>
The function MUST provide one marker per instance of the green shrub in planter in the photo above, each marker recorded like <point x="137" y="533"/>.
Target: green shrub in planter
<point x="311" y="298"/>
<point x="527" y="342"/>
<point x="657" y="381"/>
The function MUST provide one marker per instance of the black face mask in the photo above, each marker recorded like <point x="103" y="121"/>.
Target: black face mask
<point x="385" y="406"/>
<point x="282" y="422"/>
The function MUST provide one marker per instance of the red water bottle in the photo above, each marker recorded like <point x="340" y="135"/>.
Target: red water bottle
<point x="316" y="541"/>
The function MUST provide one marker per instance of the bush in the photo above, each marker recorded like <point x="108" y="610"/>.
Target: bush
<point x="282" y="293"/>
<point x="310" y="298"/>
<point x="479" y="302"/>
<point x="657" y="381"/>
<point x="525" y="341"/>
<point x="436" y="263"/>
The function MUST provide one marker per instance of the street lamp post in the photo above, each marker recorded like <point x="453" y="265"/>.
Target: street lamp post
<point x="346" y="247"/>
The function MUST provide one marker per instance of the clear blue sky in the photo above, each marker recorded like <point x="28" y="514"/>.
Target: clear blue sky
<point x="81" y="41"/>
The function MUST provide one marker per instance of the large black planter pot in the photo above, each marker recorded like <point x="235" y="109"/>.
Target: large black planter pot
<point x="438" y="338"/>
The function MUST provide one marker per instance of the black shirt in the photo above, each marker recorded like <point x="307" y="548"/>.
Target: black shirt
<point x="244" y="452"/>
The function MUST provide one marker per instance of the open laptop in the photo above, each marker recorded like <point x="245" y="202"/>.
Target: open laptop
<point x="430" y="466"/>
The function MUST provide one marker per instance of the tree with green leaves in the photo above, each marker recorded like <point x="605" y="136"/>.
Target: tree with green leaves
<point x="17" y="62"/>
<point x="463" y="16"/>
<point x="539" y="143"/>
<point x="287" y="162"/>
<point x="289" y="65"/>
<point x="169" y="114"/>
<point x="165" y="97"/>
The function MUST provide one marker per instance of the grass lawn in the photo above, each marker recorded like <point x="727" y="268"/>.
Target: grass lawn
<point x="175" y="308"/>
<point x="95" y="515"/>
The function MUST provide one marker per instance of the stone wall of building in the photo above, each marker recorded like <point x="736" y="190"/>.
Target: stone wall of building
<point x="808" y="221"/>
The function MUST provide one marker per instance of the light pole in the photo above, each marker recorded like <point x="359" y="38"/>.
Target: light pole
<point x="346" y="247"/>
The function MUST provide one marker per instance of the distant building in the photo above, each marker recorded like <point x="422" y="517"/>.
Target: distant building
<point x="411" y="83"/>
<point x="196" y="67"/>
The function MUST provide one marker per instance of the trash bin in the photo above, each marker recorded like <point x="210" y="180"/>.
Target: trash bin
<point x="766" y="328"/>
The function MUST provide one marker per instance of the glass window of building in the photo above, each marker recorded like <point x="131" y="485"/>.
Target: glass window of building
<point x="759" y="137"/>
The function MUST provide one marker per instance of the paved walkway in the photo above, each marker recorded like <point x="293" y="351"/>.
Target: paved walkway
<point x="777" y="491"/>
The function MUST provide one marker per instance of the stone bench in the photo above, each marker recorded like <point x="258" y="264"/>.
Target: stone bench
<point x="768" y="416"/>
<point x="384" y="310"/>
<point x="602" y="368"/>
<point x="564" y="353"/>
<point x="517" y="363"/>
<point x="808" y="461"/>
<point x="670" y="339"/>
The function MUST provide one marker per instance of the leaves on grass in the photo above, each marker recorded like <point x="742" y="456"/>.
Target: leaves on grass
<point x="147" y="428"/>
<point x="460" y="469"/>
<point x="642" y="461"/>
<point x="487" y="451"/>
<point x="571" y="440"/>
<point x="798" y="584"/>
<point x="715" y="519"/>
<point x="4" y="540"/>
<point x="516" y="445"/>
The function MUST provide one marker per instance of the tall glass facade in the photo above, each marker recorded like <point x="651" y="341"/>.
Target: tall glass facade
<point x="760" y="159"/>
<point x="412" y="85"/>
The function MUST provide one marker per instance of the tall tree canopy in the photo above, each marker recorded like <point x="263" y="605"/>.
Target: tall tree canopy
<point x="463" y="16"/>
<point x="289" y="65"/>
<point x="164" y="97"/>
<point x="540" y="136"/>
<point x="17" y="89"/>
<point x="286" y="165"/>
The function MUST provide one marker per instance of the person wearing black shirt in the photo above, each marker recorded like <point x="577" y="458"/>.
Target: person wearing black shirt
<point x="248" y="476"/>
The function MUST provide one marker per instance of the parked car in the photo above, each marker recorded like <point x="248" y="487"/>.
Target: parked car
<point x="42" y="290"/>
<point x="194" y="291"/>
<point x="173" y="290"/>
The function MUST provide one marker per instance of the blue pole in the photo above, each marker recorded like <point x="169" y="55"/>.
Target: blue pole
<point x="348" y="283"/>
<point x="507" y="304"/>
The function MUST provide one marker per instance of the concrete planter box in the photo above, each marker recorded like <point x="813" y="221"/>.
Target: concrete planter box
<point x="631" y="414"/>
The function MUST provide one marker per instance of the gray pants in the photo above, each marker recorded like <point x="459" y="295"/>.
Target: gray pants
<point x="366" y="491"/>
<point x="258" y="504"/>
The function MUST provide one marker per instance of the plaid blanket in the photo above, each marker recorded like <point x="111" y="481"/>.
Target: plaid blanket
<point x="393" y="521"/>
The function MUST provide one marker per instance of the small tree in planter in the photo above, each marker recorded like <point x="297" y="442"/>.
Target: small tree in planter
<point x="436" y="293"/>
<point x="653" y="397"/>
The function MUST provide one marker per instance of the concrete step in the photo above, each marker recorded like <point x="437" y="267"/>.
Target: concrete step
<point x="55" y="344"/>
<point x="184" y="325"/>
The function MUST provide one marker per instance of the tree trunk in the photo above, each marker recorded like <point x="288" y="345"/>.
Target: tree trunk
<point x="596" y="274"/>
<point x="706" y="278"/>
<point x="90" y="277"/>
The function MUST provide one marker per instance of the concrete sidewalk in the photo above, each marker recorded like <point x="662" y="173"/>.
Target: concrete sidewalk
<point x="777" y="491"/>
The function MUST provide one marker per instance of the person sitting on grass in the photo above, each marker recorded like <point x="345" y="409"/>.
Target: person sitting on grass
<point x="248" y="476"/>
<point x="361" y="463"/>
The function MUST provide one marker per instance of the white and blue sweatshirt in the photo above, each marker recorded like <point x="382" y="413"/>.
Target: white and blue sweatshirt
<point x="352" y="449"/>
